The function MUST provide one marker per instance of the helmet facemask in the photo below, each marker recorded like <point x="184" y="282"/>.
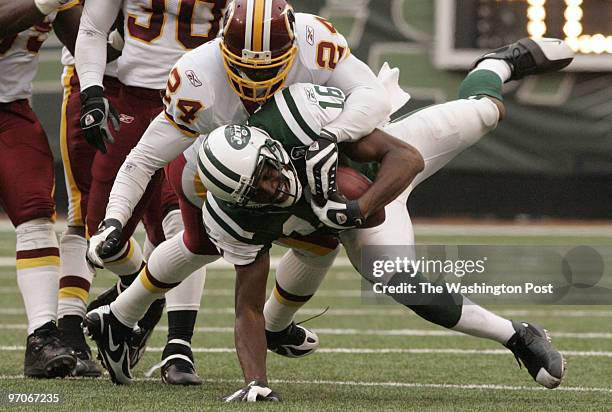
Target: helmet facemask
<point x="273" y="160"/>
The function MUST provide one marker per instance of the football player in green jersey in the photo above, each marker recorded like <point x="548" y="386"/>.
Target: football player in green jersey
<point x="257" y="178"/>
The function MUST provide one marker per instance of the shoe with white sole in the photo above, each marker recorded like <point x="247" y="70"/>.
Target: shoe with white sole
<point x="532" y="56"/>
<point x="531" y="346"/>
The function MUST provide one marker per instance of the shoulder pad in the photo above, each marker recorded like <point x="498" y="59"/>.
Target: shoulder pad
<point x="188" y="94"/>
<point x="320" y="45"/>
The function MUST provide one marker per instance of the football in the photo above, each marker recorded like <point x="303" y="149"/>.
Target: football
<point x="352" y="185"/>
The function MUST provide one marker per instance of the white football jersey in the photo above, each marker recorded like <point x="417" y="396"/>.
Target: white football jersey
<point x="19" y="60"/>
<point x="159" y="32"/>
<point x="199" y="97"/>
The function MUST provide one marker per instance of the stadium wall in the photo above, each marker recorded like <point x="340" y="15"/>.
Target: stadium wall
<point x="552" y="156"/>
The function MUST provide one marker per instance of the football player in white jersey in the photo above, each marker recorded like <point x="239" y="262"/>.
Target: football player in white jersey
<point x="27" y="178"/>
<point x="157" y="34"/>
<point x="247" y="171"/>
<point x="263" y="46"/>
<point x="78" y="158"/>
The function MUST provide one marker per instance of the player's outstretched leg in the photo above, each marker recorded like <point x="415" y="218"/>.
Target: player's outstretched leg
<point x="532" y="56"/>
<point x="298" y="277"/>
<point x="531" y="346"/>
<point x="183" y="302"/>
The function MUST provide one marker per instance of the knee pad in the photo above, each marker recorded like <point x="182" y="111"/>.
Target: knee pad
<point x="172" y="223"/>
<point x="36" y="234"/>
<point x="301" y="274"/>
<point x="172" y="262"/>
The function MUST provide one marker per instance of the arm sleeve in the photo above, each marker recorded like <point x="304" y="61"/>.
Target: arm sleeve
<point x="90" y="54"/>
<point x="161" y="143"/>
<point x="367" y="104"/>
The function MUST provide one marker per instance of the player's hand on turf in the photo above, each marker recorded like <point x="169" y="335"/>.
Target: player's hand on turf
<point x="105" y="243"/>
<point x="339" y="213"/>
<point x="96" y="112"/>
<point x="253" y="392"/>
<point x="322" y="164"/>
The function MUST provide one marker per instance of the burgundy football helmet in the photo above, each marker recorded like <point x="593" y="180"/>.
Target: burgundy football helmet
<point x="258" y="46"/>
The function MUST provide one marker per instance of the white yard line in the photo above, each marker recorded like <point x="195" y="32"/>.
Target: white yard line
<point x="391" y="312"/>
<point x="364" y="332"/>
<point x="379" y="351"/>
<point x="460" y="229"/>
<point x="219" y="264"/>
<point x="385" y="384"/>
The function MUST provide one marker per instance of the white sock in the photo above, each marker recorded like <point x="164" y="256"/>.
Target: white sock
<point x="126" y="262"/>
<point x="38" y="271"/>
<point x="477" y="321"/>
<point x="169" y="264"/>
<point x="297" y="278"/>
<point x="75" y="276"/>
<point x="499" y="67"/>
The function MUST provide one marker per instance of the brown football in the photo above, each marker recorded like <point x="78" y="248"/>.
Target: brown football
<point x="352" y="185"/>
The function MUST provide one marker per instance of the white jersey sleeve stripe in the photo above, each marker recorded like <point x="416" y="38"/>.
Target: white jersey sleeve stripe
<point x="290" y="120"/>
<point x="228" y="220"/>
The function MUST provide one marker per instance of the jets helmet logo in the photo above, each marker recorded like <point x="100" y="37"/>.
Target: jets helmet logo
<point x="237" y="136"/>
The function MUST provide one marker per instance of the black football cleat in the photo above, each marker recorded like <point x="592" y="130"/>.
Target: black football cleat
<point x="531" y="346"/>
<point x="179" y="371"/>
<point x="87" y="366"/>
<point x="294" y="341"/>
<point x="46" y="356"/>
<point x="144" y="330"/>
<point x="72" y="335"/>
<point x="177" y="365"/>
<point x="105" y="298"/>
<point x="532" y="56"/>
<point x="112" y="338"/>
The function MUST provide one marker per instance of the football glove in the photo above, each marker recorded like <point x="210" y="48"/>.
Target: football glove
<point x="49" y="6"/>
<point x="105" y="243"/>
<point x="96" y="111"/>
<point x="253" y="392"/>
<point x="322" y="164"/>
<point x="338" y="213"/>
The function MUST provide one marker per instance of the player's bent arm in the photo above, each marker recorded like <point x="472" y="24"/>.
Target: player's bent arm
<point x="160" y="144"/>
<point x="19" y="15"/>
<point x="16" y="16"/>
<point x="250" y="337"/>
<point x="90" y="54"/>
<point x="66" y="26"/>
<point x="367" y="104"/>
<point x="399" y="165"/>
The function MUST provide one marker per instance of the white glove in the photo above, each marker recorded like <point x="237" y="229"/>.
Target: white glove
<point x="321" y="165"/>
<point x="105" y="243"/>
<point x="49" y="6"/>
<point x="253" y="392"/>
<point x="338" y="213"/>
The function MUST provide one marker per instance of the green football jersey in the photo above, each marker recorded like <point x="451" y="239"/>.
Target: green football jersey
<point x="294" y="117"/>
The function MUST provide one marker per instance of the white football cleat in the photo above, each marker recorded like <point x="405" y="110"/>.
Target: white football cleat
<point x="532" y="56"/>
<point x="294" y="341"/>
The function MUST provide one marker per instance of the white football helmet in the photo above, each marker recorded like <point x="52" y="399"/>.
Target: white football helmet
<point x="232" y="160"/>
